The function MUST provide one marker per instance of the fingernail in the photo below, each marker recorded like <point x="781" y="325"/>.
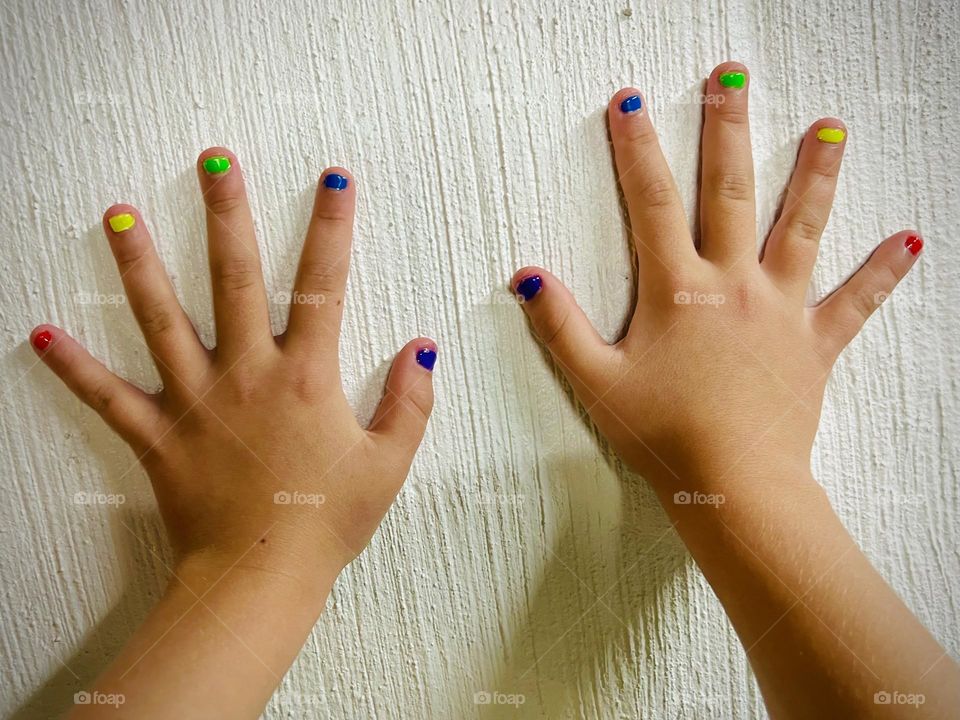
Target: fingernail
<point x="216" y="165"/>
<point x="833" y="136"/>
<point x="913" y="243"/>
<point x="733" y="79"/>
<point x="335" y="182"/>
<point x="42" y="340"/>
<point x="427" y="357"/>
<point x="631" y="104"/>
<point x="122" y="222"/>
<point x="529" y="287"/>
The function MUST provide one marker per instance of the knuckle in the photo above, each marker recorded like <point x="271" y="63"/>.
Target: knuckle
<point x="308" y="385"/>
<point x="657" y="193"/>
<point x="733" y="113"/>
<point x="553" y="327"/>
<point x="243" y="387"/>
<point x="224" y="205"/>
<point x="156" y="319"/>
<point x="333" y="212"/>
<point x="320" y="275"/>
<point x="736" y="186"/>
<point x="804" y="227"/>
<point x="100" y="398"/>
<point x="863" y="303"/>
<point x="423" y="405"/>
<point x="825" y="168"/>
<point x="640" y="136"/>
<point x="127" y="260"/>
<point x="236" y="274"/>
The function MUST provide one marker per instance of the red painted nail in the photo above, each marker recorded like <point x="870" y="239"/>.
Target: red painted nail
<point x="913" y="243"/>
<point x="42" y="340"/>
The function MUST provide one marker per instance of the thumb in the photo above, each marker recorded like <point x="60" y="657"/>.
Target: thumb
<point x="560" y="323"/>
<point x="407" y="400"/>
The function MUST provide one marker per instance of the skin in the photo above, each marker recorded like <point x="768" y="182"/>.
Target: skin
<point x="231" y="428"/>
<point x="722" y="397"/>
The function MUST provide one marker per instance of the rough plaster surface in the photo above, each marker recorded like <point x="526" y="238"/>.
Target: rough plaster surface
<point x="520" y="557"/>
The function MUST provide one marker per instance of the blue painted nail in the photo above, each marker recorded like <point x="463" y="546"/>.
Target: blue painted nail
<point x="427" y="357"/>
<point x="335" y="182"/>
<point x="631" y="104"/>
<point x="529" y="287"/>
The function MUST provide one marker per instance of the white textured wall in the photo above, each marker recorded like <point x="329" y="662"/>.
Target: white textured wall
<point x="520" y="557"/>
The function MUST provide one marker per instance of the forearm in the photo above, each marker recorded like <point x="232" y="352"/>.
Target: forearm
<point x="821" y="628"/>
<point x="216" y="645"/>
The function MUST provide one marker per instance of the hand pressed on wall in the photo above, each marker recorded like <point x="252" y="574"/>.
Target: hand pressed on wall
<point x="265" y="480"/>
<point x="722" y="359"/>
<point x="714" y="395"/>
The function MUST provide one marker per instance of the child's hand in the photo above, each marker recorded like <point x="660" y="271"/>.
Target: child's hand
<point x="714" y="394"/>
<point x="254" y="455"/>
<point x="723" y="362"/>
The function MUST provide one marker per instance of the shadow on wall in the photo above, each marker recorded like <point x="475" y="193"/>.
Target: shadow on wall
<point x="104" y="642"/>
<point x="596" y="605"/>
<point x="140" y="561"/>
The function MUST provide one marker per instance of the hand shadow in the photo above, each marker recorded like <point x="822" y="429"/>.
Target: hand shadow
<point x="596" y="601"/>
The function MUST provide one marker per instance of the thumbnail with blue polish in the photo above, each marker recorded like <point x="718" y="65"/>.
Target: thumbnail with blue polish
<point x="529" y="287"/>
<point x="631" y="104"/>
<point x="335" y="182"/>
<point x="427" y="358"/>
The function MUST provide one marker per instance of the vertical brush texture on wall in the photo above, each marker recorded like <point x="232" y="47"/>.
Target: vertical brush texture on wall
<point x="520" y="557"/>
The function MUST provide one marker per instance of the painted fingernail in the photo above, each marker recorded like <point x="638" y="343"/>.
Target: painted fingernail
<point x="335" y="182"/>
<point x="733" y="79"/>
<point x="122" y="222"/>
<point x="631" y="104"/>
<point x="42" y="340"/>
<point x="913" y="243"/>
<point x="834" y="136"/>
<point x="216" y="165"/>
<point x="427" y="357"/>
<point x="529" y="287"/>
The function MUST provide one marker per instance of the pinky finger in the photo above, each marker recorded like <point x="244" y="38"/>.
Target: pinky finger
<point x="841" y="315"/>
<point x="127" y="409"/>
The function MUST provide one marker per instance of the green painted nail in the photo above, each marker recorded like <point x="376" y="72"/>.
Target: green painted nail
<point x="216" y="165"/>
<point x="733" y="79"/>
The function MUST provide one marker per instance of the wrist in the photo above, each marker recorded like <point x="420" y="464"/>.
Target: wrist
<point x="257" y="573"/>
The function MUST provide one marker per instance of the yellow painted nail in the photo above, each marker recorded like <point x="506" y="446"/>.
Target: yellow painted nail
<point x="831" y="135"/>
<point x="122" y="222"/>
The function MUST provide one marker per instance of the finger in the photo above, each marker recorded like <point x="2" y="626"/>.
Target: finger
<point x="791" y="249"/>
<point x="316" y="304"/>
<point x="402" y="415"/>
<point x="561" y="325"/>
<point x="657" y="219"/>
<point x="239" y="297"/>
<point x="841" y="315"/>
<point x="125" y="408"/>
<point x="167" y="330"/>
<point x="727" y="204"/>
